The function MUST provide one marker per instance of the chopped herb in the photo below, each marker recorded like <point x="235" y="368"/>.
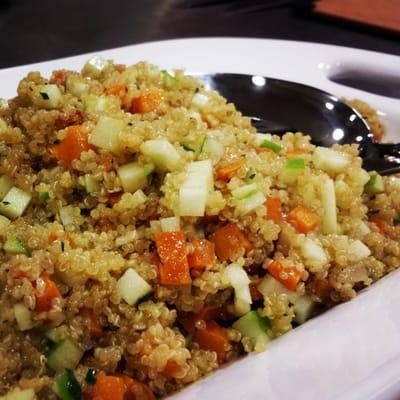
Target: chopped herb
<point x="62" y="246"/>
<point x="187" y="147"/>
<point x="91" y="377"/>
<point x="67" y="386"/>
<point x="372" y="212"/>
<point x="396" y="219"/>
<point x="44" y="95"/>
<point x="43" y="197"/>
<point x="6" y="203"/>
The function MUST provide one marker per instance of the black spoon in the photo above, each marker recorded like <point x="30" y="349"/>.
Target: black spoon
<point x="279" y="106"/>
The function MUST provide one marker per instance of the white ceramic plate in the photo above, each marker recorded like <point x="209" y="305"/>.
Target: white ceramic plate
<point x="351" y="352"/>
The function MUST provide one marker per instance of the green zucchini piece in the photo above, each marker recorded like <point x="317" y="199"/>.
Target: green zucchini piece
<point x="4" y="222"/>
<point x="5" y="185"/>
<point x="268" y="144"/>
<point x="15" y="245"/>
<point x="293" y="168"/>
<point x="67" y="387"/>
<point x="18" y="394"/>
<point x="374" y="185"/>
<point x="44" y="197"/>
<point x="14" y="203"/>
<point x="254" y="327"/>
<point x="63" y="355"/>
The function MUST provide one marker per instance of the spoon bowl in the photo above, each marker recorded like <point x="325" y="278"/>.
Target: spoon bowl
<point x="278" y="106"/>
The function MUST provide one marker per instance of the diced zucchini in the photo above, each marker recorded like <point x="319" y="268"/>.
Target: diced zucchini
<point x="106" y="134"/>
<point x="133" y="176"/>
<point x="330" y="160"/>
<point x="328" y="196"/>
<point x="212" y="148"/>
<point x="4" y="223"/>
<point x="261" y="137"/>
<point x="44" y="197"/>
<point x="67" y="215"/>
<point x="250" y="175"/>
<point x="249" y="203"/>
<point x="268" y="144"/>
<point x="64" y="355"/>
<point x="100" y="104"/>
<point x="132" y="287"/>
<point x="190" y="147"/>
<point x="76" y="85"/>
<point x="253" y="326"/>
<point x="358" y="250"/>
<point x="14" y="203"/>
<point x="293" y="168"/>
<point x="303" y="306"/>
<point x="269" y="285"/>
<point x="374" y="185"/>
<point x="245" y="191"/>
<point x="192" y="201"/>
<point x="303" y="309"/>
<point x="23" y="316"/>
<point x="162" y="153"/>
<point x="239" y="280"/>
<point x="314" y="253"/>
<point x="95" y="67"/>
<point x="169" y="79"/>
<point x="19" y="394"/>
<point x="5" y="185"/>
<point x="200" y="100"/>
<point x="15" y="245"/>
<point x="202" y="170"/>
<point x="171" y="224"/>
<point x="138" y="198"/>
<point x="91" y="185"/>
<point x="46" y="96"/>
<point x="51" y="334"/>
<point x="67" y="387"/>
<point x="196" y="188"/>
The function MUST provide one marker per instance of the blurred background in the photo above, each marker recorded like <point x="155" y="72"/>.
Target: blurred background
<point x="38" y="30"/>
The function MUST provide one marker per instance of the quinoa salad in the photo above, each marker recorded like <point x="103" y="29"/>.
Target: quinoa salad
<point x="149" y="234"/>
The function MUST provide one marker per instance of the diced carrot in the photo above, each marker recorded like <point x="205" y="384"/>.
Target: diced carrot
<point x="302" y="219"/>
<point x="68" y="120"/>
<point x="208" y="313"/>
<point x="274" y="209"/>
<point x="92" y="323"/>
<point x="323" y="289"/>
<point x="116" y="90"/>
<point x="114" y="198"/>
<point x="288" y="276"/>
<point x="379" y="222"/>
<point x="107" y="163"/>
<point x="203" y="254"/>
<point x="171" y="369"/>
<point x="73" y="144"/>
<point x="120" y="68"/>
<point x="147" y="101"/>
<point x="227" y="171"/>
<point x="256" y="295"/>
<point x="58" y="77"/>
<point x="213" y="338"/>
<point x="108" y="388"/>
<point x="52" y="237"/>
<point x="229" y="240"/>
<point x="45" y="292"/>
<point x="174" y="268"/>
<point x="135" y="390"/>
<point x="296" y="152"/>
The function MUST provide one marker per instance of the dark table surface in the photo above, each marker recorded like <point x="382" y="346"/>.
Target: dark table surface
<point x="38" y="30"/>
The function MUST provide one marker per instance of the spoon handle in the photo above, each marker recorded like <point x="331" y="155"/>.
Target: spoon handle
<point x="382" y="157"/>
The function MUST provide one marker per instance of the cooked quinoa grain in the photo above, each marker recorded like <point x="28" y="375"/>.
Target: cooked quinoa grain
<point x="148" y="233"/>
